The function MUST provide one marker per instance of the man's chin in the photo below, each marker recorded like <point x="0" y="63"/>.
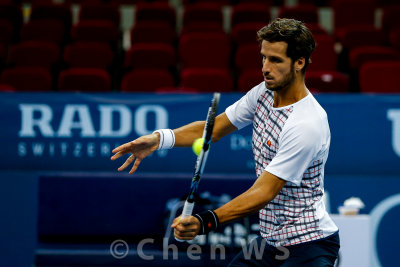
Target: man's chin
<point x="272" y="88"/>
<point x="269" y="85"/>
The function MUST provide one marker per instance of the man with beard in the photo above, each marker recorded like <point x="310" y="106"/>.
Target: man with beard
<point x="291" y="140"/>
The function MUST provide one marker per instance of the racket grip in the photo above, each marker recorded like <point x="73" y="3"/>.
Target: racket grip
<point x="186" y="212"/>
<point x="187" y="209"/>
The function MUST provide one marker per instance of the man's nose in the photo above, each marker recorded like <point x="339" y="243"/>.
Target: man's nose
<point x="266" y="66"/>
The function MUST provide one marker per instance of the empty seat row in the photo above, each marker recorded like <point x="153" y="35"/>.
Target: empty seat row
<point x="98" y="80"/>
<point x="209" y="50"/>
<point x="46" y="54"/>
<point x="319" y="3"/>
<point x="246" y="11"/>
<point x="380" y="76"/>
<point x="375" y="77"/>
<point x="53" y="31"/>
<point x="93" y="17"/>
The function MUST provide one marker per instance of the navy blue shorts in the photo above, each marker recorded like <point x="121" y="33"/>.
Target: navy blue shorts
<point x="319" y="253"/>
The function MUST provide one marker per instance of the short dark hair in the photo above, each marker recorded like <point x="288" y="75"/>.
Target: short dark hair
<point x="299" y="38"/>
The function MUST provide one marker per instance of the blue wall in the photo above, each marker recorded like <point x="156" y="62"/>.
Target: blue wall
<point x="18" y="218"/>
<point x="105" y="204"/>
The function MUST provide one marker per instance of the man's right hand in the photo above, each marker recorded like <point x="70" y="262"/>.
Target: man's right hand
<point x="139" y="149"/>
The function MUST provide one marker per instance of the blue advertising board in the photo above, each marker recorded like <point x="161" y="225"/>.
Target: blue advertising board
<point x="72" y="132"/>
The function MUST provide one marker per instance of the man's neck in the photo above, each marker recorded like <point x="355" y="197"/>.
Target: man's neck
<point x="294" y="93"/>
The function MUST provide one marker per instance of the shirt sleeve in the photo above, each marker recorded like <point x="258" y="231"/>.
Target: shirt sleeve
<point x="298" y="147"/>
<point x="241" y="113"/>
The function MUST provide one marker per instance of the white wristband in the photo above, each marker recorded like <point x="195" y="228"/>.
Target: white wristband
<point x="167" y="138"/>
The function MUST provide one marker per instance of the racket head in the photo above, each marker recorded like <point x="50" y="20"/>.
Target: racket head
<point x="207" y="135"/>
<point x="210" y="121"/>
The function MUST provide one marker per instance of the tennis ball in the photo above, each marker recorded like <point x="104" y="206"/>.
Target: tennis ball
<point x="197" y="145"/>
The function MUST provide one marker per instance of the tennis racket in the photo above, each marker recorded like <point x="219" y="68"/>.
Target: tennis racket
<point x="202" y="158"/>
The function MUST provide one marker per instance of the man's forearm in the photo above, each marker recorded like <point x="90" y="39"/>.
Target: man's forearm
<point x="185" y="135"/>
<point x="263" y="191"/>
<point x="245" y="204"/>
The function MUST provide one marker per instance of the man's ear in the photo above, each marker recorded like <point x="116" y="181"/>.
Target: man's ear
<point x="299" y="64"/>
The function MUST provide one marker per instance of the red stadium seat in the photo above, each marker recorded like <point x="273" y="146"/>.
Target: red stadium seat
<point x="324" y="56"/>
<point x="380" y="77"/>
<point x="316" y="28"/>
<point x="100" y="11"/>
<point x="263" y="2"/>
<point x="202" y="12"/>
<point x="176" y="90"/>
<point x="148" y="55"/>
<point x="27" y="79"/>
<point x="204" y="50"/>
<point x="318" y="3"/>
<point x="122" y="2"/>
<point x="156" y="11"/>
<point x="353" y="12"/>
<point x="153" y="32"/>
<point x="359" y="35"/>
<point x="84" y="80"/>
<point x="6" y="88"/>
<point x="207" y="80"/>
<point x="385" y="3"/>
<point x="250" y="12"/>
<point x="81" y="1"/>
<point x="327" y="81"/>
<point x="59" y="12"/>
<point x="215" y="2"/>
<point x="95" y="31"/>
<point x="353" y="20"/>
<point x="306" y="13"/>
<point x="146" y="80"/>
<point x="359" y="55"/>
<point x="6" y="31"/>
<point x="34" y="54"/>
<point x="248" y="57"/>
<point x="202" y="27"/>
<point x="248" y="79"/>
<point x="390" y="17"/>
<point x="3" y="54"/>
<point x="12" y="13"/>
<point x="246" y="33"/>
<point x="47" y="30"/>
<point x="88" y="55"/>
<point x="394" y="38"/>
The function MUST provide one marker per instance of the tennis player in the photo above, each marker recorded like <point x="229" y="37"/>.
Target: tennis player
<point x="291" y="140"/>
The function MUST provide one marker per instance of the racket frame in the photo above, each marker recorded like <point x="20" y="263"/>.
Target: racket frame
<point x="202" y="157"/>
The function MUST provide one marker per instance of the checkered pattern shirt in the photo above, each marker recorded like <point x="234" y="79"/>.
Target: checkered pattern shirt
<point x="292" y="143"/>
<point x="290" y="218"/>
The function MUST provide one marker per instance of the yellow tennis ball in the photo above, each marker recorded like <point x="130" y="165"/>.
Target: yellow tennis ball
<point x="198" y="145"/>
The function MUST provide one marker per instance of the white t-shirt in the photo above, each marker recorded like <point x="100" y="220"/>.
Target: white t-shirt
<point x="291" y="142"/>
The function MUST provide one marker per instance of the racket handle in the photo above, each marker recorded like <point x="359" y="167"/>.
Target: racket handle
<point x="186" y="212"/>
<point x="187" y="209"/>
